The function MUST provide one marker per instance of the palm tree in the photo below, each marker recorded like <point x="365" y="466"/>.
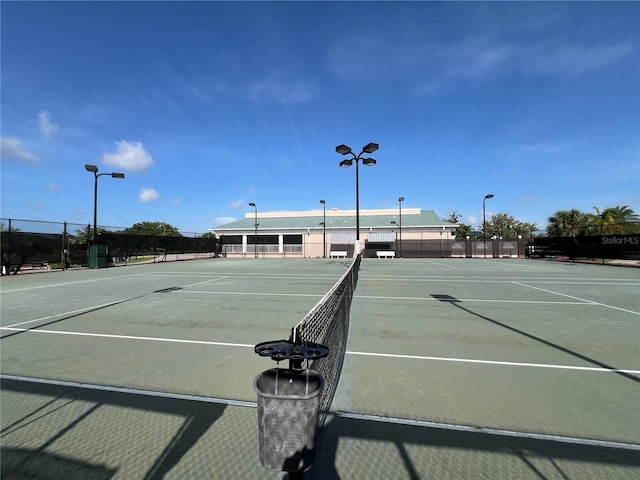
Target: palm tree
<point x="567" y="223"/>
<point x="617" y="220"/>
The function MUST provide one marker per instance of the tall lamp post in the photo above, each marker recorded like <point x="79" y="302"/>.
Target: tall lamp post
<point x="369" y="162"/>
<point x="400" y="200"/>
<point x="255" y="231"/>
<point x="484" y="223"/>
<point x="324" y="228"/>
<point x="393" y="222"/>
<point x="94" y="170"/>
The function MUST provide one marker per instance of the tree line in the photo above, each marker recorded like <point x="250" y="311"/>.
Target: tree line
<point x="150" y="229"/>
<point x="618" y="220"/>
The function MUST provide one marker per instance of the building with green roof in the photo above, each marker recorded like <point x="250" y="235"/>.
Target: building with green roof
<point x="325" y="233"/>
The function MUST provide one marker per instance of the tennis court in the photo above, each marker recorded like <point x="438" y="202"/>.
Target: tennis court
<point x="454" y="369"/>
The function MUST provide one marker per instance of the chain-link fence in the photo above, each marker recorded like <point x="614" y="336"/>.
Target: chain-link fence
<point x="268" y="246"/>
<point x="622" y="247"/>
<point x="32" y="244"/>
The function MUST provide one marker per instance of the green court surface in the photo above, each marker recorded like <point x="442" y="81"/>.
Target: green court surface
<point x="455" y="368"/>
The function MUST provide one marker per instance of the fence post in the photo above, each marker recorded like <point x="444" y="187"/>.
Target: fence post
<point x="65" y="248"/>
<point x="6" y="256"/>
<point x="88" y="243"/>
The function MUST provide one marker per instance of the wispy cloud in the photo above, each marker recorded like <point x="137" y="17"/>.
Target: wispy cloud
<point x="52" y="187"/>
<point x="46" y="126"/>
<point x="274" y="87"/>
<point x="570" y="60"/>
<point x="129" y="156"/>
<point x="477" y="59"/>
<point x="148" y="195"/>
<point x="175" y="201"/>
<point x="544" y="148"/>
<point x="236" y="204"/>
<point x="14" y="149"/>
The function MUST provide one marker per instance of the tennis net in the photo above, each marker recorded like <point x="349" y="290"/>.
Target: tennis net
<point x="327" y="323"/>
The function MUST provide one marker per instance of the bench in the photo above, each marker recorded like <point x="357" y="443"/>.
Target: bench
<point x="41" y="264"/>
<point x="386" y="253"/>
<point x="338" y="254"/>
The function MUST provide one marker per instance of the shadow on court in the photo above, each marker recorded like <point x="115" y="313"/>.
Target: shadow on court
<point x="347" y="448"/>
<point x="197" y="418"/>
<point x="459" y="454"/>
<point x="457" y="303"/>
<point x="90" y="310"/>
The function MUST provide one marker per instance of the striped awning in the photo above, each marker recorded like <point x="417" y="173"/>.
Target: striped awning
<point x="346" y="238"/>
<point x="380" y="237"/>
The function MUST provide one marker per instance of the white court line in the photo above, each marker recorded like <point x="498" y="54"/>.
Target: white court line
<point x="128" y="337"/>
<point x="203" y="282"/>
<point x="354" y="416"/>
<point x="471" y="300"/>
<point x="442" y="264"/>
<point x="289" y="262"/>
<point x="578" y="298"/>
<point x="257" y="276"/>
<point x="368" y="354"/>
<point x="455" y="279"/>
<point x="96" y="307"/>
<point x="267" y="294"/>
<point x="495" y="362"/>
<point x="120" y="277"/>
<point x="134" y="391"/>
<point x="490" y="431"/>
<point x="72" y="312"/>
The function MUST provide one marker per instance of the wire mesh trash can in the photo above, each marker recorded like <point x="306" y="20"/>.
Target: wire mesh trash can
<point x="288" y="407"/>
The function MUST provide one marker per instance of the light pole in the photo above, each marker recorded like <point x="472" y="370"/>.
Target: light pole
<point x="255" y="231"/>
<point x="94" y="170"/>
<point x="484" y="223"/>
<point x="393" y="222"/>
<point x="369" y="162"/>
<point x="324" y="228"/>
<point x="400" y="200"/>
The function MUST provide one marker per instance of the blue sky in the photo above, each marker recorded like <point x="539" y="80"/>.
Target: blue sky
<point x="207" y="106"/>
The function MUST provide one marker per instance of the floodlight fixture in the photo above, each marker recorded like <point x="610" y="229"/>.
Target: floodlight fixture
<point x="346" y="163"/>
<point x="370" y="147"/>
<point x="369" y="162"/>
<point x="343" y="150"/>
<point x="94" y="169"/>
<point x="255" y="230"/>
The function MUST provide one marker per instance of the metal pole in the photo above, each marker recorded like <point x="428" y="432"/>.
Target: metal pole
<point x="484" y="228"/>
<point x="484" y="223"/>
<point x="324" y="231"/>
<point x="324" y="228"/>
<point x="357" y="206"/>
<point x="95" y="207"/>
<point x="400" y="200"/>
